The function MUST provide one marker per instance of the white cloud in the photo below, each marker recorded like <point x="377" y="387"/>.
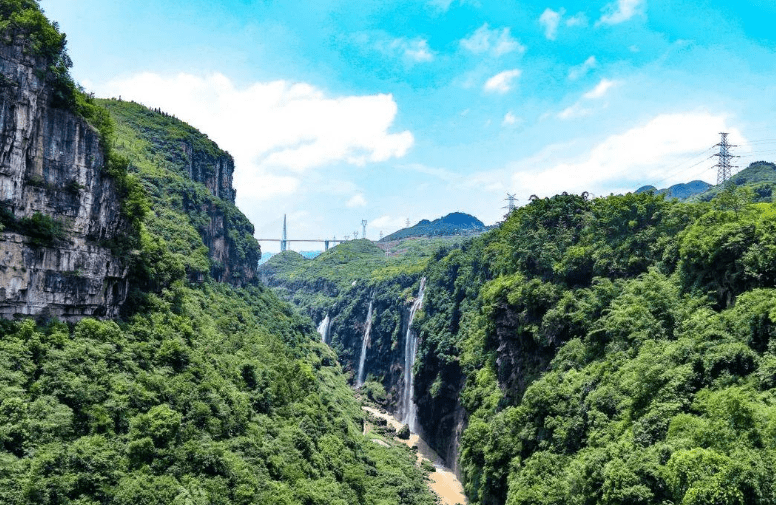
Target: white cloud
<point x="497" y="42"/>
<point x="583" y="68"/>
<point x="388" y="224"/>
<point x="550" y="20"/>
<point x="501" y="82"/>
<point x="644" y="154"/>
<point x="578" y="19"/>
<point x="356" y="201"/>
<point x="621" y="11"/>
<point x="600" y="90"/>
<point x="509" y="119"/>
<point x="581" y="108"/>
<point x="419" y="51"/>
<point x="575" y="111"/>
<point x="275" y="130"/>
<point x="414" y="50"/>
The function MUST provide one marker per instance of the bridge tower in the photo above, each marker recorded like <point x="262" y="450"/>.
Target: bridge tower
<point x="283" y="243"/>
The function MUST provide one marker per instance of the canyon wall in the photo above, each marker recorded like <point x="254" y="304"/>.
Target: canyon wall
<point x="59" y="209"/>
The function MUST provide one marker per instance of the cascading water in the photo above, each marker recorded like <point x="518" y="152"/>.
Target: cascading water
<point x="362" y="360"/>
<point x="410" y="350"/>
<point x="323" y="329"/>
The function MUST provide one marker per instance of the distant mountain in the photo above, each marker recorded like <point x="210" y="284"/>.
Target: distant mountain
<point x="681" y="191"/>
<point x="456" y="223"/>
<point x="760" y="176"/>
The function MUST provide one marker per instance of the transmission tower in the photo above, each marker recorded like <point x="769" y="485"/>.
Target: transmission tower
<point x="381" y="234"/>
<point x="284" y="241"/>
<point x="724" y="168"/>
<point x="355" y="235"/>
<point x="511" y="203"/>
<point x="363" y="226"/>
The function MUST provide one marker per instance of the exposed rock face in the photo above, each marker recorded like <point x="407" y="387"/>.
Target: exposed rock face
<point x="51" y="164"/>
<point x="175" y="147"/>
<point x="215" y="172"/>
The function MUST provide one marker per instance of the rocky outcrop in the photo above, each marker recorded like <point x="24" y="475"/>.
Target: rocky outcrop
<point x="178" y="149"/>
<point x="51" y="170"/>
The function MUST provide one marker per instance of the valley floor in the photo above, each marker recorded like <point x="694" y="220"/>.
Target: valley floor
<point x="443" y="481"/>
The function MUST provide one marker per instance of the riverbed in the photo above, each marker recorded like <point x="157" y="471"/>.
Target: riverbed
<point x="443" y="481"/>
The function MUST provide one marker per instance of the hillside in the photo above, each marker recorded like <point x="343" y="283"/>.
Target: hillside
<point x="188" y="180"/>
<point x="208" y="389"/>
<point x="615" y="350"/>
<point x="456" y="223"/>
<point x="760" y="176"/>
<point x="681" y="191"/>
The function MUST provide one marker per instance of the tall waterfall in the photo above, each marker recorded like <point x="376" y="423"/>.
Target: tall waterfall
<point x="362" y="360"/>
<point x="323" y="329"/>
<point x="410" y="350"/>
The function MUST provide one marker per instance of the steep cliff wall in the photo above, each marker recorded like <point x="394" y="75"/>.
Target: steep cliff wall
<point x="188" y="175"/>
<point x="58" y="207"/>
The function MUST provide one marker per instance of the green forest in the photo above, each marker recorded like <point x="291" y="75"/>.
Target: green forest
<point x="615" y="350"/>
<point x="607" y="350"/>
<point x="204" y="392"/>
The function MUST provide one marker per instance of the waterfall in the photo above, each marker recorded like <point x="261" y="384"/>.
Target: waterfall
<point x="410" y="350"/>
<point x="323" y="329"/>
<point x="362" y="360"/>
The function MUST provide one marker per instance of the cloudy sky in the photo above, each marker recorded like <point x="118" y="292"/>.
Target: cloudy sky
<point x="338" y="111"/>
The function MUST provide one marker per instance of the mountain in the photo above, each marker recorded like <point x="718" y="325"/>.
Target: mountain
<point x="68" y="219"/>
<point x="455" y="223"/>
<point x="760" y="176"/>
<point x="681" y="191"/>
<point x="192" y="383"/>
<point x="614" y="350"/>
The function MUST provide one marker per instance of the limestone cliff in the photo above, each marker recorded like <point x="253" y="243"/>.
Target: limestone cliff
<point x="51" y="176"/>
<point x="189" y="181"/>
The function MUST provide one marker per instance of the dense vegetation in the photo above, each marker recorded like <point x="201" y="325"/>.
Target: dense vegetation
<point x="160" y="148"/>
<point x="212" y="395"/>
<point x="203" y="393"/>
<point x="615" y="351"/>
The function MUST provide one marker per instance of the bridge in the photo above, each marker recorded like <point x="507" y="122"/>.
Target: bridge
<point x="285" y="240"/>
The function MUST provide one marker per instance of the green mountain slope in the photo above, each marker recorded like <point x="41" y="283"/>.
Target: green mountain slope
<point x="760" y="176"/>
<point x="614" y="351"/>
<point x="205" y="392"/>
<point x="194" y="229"/>
<point x="681" y="191"/>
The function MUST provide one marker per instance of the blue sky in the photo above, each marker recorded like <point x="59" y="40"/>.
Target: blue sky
<point x="338" y="111"/>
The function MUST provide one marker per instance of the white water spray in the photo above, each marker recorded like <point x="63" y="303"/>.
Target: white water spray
<point x="362" y="360"/>
<point x="323" y="329"/>
<point x="409" y="408"/>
